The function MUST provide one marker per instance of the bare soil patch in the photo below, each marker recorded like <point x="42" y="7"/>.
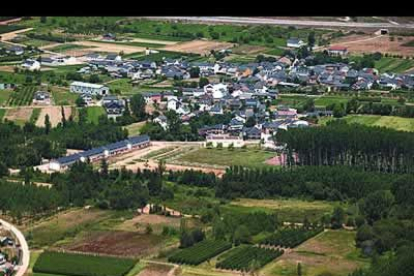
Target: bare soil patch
<point x="55" y="115"/>
<point x="198" y="46"/>
<point x="155" y="270"/>
<point x="19" y="114"/>
<point x="110" y="47"/>
<point x="118" y="243"/>
<point x="359" y="44"/>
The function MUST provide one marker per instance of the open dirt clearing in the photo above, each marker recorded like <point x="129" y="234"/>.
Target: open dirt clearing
<point x="55" y="115"/>
<point x="19" y="114"/>
<point x="358" y="44"/>
<point x="110" y="47"/>
<point x="11" y="35"/>
<point x="198" y="46"/>
<point x="140" y="222"/>
<point x="157" y="269"/>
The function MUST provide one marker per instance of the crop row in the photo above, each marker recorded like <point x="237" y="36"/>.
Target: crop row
<point x="248" y="257"/>
<point x="82" y="265"/>
<point x="290" y="238"/>
<point x="22" y="96"/>
<point x="200" y="252"/>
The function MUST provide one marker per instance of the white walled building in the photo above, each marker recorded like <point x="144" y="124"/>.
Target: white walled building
<point x="88" y="88"/>
<point x="225" y="140"/>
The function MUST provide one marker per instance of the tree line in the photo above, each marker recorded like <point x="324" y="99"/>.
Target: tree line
<point x="339" y="143"/>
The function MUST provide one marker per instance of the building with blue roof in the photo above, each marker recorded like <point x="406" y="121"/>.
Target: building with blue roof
<point x="132" y="143"/>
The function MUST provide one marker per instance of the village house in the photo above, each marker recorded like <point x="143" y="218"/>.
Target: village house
<point x="337" y="51"/>
<point x="41" y="98"/>
<point x="225" y="140"/>
<point x="88" y="88"/>
<point x="162" y="121"/>
<point x="31" y="65"/>
<point x="295" y="43"/>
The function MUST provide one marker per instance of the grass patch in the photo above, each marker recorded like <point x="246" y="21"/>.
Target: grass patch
<point x="328" y="100"/>
<point x="63" y="97"/>
<point x="35" y="115"/>
<point x="82" y="265"/>
<point x="133" y="43"/>
<point x="67" y="46"/>
<point x="5" y="95"/>
<point x="225" y="157"/>
<point x="397" y="123"/>
<point x="64" y="225"/>
<point x="2" y="113"/>
<point x="94" y="112"/>
<point x="134" y="129"/>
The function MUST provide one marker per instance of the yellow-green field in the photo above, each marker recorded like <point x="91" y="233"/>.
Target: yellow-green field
<point x="288" y="210"/>
<point x="398" y="123"/>
<point x="226" y="157"/>
<point x="331" y="252"/>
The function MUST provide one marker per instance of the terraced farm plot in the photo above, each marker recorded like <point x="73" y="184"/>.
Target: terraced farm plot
<point x="19" y="115"/>
<point x="225" y="157"/>
<point x="398" y="123"/>
<point x="200" y="252"/>
<point x="331" y="252"/>
<point x="22" y="96"/>
<point x="243" y="257"/>
<point x="82" y="265"/>
<point x="395" y="65"/>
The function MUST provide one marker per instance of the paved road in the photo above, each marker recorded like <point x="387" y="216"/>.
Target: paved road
<point x="291" y="22"/>
<point x="24" y="264"/>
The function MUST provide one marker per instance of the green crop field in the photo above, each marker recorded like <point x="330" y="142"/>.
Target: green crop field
<point x="243" y="257"/>
<point x="398" y="123"/>
<point x="290" y="238"/>
<point x="82" y="265"/>
<point x="225" y="157"/>
<point x="200" y="252"/>
<point x="94" y="112"/>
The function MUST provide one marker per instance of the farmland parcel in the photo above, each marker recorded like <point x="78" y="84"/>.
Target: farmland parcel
<point x="82" y="265"/>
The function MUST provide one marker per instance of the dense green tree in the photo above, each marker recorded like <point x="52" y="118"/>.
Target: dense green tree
<point x="138" y="106"/>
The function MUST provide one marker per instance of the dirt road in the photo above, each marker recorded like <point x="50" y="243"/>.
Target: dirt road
<point x="11" y="35"/>
<point x="289" y="22"/>
<point x="24" y="262"/>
